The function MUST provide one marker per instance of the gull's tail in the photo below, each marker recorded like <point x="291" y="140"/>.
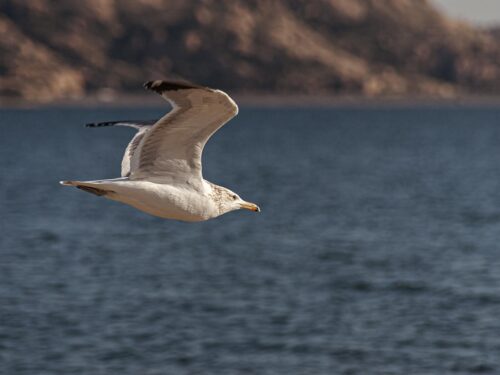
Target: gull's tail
<point x="85" y="187"/>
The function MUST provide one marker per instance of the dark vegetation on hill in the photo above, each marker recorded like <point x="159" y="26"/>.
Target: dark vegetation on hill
<point x="54" y="50"/>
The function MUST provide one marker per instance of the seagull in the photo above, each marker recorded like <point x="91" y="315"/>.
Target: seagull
<point x="161" y="170"/>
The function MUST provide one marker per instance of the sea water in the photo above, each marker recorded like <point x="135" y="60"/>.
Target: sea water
<point x="376" y="251"/>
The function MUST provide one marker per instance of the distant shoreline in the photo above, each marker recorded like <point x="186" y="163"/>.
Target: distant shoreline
<point x="268" y="100"/>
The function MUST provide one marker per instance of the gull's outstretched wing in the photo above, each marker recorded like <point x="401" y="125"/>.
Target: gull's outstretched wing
<point x="171" y="150"/>
<point x="142" y="128"/>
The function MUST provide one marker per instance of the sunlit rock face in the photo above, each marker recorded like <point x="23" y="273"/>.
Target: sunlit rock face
<point x="60" y="50"/>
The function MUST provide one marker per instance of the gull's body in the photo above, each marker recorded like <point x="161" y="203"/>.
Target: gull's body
<point x="161" y="168"/>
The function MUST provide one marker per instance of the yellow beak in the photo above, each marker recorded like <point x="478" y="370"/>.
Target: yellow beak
<point x="250" y="206"/>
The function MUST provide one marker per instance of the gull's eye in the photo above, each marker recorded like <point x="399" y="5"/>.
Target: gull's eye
<point x="234" y="197"/>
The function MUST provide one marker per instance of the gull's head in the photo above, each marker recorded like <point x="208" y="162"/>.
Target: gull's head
<point x="230" y="201"/>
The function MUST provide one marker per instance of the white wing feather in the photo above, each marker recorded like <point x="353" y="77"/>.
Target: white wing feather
<point x="131" y="149"/>
<point x="171" y="150"/>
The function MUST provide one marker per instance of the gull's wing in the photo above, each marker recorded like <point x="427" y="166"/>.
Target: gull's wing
<point x="171" y="150"/>
<point x="142" y="128"/>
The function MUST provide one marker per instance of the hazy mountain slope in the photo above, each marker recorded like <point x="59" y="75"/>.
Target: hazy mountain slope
<point x="55" y="49"/>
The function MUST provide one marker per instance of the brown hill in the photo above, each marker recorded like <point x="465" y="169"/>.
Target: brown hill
<point x="52" y="50"/>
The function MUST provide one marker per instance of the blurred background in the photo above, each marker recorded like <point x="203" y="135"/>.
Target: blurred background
<point x="368" y="134"/>
<point x="75" y="49"/>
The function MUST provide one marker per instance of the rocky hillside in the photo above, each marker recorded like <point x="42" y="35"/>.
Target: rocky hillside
<point x="54" y="50"/>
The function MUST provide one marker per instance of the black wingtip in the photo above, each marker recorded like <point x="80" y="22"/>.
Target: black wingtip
<point x="96" y="124"/>
<point x="162" y="86"/>
<point x="100" y="124"/>
<point x="132" y="123"/>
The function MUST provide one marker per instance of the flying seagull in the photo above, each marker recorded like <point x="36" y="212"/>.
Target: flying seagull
<point x="161" y="172"/>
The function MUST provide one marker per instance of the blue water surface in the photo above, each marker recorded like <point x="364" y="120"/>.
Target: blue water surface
<point x="376" y="251"/>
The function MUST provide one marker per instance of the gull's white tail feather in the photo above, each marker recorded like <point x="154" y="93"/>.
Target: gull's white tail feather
<point x="68" y="183"/>
<point x="88" y="186"/>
